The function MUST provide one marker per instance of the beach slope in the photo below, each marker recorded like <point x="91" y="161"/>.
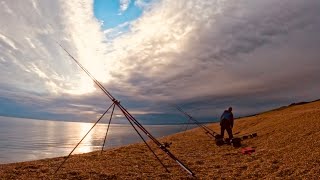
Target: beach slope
<point x="287" y="147"/>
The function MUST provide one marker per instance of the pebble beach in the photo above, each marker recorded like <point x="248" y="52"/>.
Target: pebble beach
<point x="287" y="147"/>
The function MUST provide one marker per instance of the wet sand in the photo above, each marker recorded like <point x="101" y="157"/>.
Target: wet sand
<point x="287" y="147"/>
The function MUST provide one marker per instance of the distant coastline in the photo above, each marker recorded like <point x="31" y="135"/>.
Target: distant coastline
<point x="165" y="123"/>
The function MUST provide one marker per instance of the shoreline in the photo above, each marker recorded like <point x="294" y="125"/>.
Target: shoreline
<point x="96" y="151"/>
<point x="37" y="140"/>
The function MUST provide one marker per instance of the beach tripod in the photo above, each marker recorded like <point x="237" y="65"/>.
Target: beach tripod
<point x="132" y="120"/>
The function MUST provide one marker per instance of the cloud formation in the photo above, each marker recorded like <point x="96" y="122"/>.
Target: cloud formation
<point x="33" y="66"/>
<point x="210" y="51"/>
<point x="206" y="55"/>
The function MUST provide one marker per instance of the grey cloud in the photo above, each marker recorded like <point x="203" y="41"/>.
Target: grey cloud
<point x="16" y="102"/>
<point x="261" y="54"/>
<point x="215" y="49"/>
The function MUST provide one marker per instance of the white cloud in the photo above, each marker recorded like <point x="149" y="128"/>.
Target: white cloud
<point x="124" y="4"/>
<point x="30" y="42"/>
<point x="40" y="73"/>
<point x="8" y="41"/>
<point x="32" y="62"/>
<point x="33" y="32"/>
<point x="142" y="4"/>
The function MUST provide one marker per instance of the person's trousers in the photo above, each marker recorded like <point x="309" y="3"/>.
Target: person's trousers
<point x="229" y="130"/>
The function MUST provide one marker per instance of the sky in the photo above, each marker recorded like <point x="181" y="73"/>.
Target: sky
<point x="151" y="54"/>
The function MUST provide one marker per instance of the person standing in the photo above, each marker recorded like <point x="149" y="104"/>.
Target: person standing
<point x="226" y="122"/>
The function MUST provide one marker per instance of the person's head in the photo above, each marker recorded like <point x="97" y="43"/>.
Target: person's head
<point x="230" y="109"/>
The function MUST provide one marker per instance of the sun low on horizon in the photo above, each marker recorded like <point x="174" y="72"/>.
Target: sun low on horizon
<point x="203" y="55"/>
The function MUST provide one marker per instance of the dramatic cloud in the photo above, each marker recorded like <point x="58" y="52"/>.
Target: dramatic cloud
<point x="208" y="51"/>
<point x="206" y="55"/>
<point x="33" y="66"/>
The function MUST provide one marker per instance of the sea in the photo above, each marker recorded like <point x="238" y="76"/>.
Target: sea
<point x="30" y="139"/>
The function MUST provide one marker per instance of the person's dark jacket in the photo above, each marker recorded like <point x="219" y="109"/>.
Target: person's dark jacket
<point x="226" y="119"/>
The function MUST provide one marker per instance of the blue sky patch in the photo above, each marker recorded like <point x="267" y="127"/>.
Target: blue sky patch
<point x="109" y="11"/>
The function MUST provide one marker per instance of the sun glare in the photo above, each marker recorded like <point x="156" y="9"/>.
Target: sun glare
<point x="86" y="145"/>
<point x="84" y="86"/>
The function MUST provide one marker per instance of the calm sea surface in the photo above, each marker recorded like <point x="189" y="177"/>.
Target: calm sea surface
<point x="28" y="139"/>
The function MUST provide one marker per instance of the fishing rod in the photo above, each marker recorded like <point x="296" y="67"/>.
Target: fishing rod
<point x="204" y="127"/>
<point x="131" y="119"/>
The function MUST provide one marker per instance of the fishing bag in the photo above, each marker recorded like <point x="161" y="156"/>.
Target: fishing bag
<point x="219" y="140"/>
<point x="236" y="142"/>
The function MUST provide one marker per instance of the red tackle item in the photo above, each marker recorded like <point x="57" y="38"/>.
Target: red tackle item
<point x="247" y="150"/>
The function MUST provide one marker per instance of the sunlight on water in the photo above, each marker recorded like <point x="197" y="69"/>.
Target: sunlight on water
<point x="28" y="139"/>
<point x="86" y="145"/>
